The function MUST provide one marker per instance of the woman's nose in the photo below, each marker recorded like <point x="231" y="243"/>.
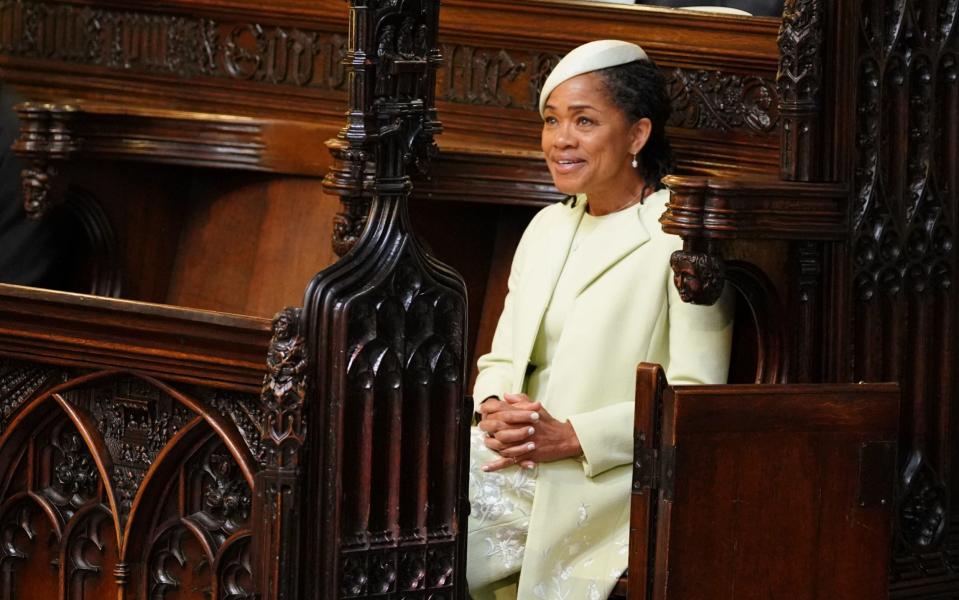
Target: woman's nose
<point x="563" y="137"/>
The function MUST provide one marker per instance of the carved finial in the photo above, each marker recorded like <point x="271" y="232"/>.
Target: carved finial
<point x="698" y="276"/>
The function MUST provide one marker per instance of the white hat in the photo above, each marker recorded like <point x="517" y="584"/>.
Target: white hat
<point x="591" y="56"/>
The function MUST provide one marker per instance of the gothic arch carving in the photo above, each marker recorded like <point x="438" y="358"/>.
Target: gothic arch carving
<point x="113" y="457"/>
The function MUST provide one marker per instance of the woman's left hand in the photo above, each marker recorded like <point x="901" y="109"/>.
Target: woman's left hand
<point x="551" y="440"/>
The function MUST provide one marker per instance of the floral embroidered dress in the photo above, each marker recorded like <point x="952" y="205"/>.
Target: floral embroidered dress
<point x="502" y="501"/>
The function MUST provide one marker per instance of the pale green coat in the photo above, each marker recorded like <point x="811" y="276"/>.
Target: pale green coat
<point x="626" y="311"/>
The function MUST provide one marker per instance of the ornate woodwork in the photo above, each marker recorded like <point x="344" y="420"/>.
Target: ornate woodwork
<point x="716" y="100"/>
<point x="286" y="62"/>
<point x="179" y="45"/>
<point x="129" y="487"/>
<point x="705" y="211"/>
<point x="903" y="223"/>
<point x="387" y="325"/>
<point x="801" y="56"/>
<point x="875" y="301"/>
<point x="19" y="382"/>
<point x="840" y="176"/>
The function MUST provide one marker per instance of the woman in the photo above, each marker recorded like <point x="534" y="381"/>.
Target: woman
<point x="590" y="296"/>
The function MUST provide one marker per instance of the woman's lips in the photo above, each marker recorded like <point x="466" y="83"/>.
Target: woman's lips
<point x="567" y="166"/>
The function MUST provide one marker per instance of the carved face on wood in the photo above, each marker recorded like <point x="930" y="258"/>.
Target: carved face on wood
<point x="699" y="278"/>
<point x="589" y="143"/>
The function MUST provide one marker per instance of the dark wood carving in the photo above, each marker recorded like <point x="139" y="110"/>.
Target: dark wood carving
<point x="183" y="46"/>
<point x="698" y="274"/>
<point x="800" y="81"/>
<point x="716" y="100"/>
<point x="45" y="142"/>
<point x="706" y="211"/>
<point x="19" y="382"/>
<point x="387" y="327"/>
<point x="129" y="487"/>
<point x="282" y="426"/>
<point x="903" y="263"/>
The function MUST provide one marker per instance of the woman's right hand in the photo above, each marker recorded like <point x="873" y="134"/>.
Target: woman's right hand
<point x="508" y="423"/>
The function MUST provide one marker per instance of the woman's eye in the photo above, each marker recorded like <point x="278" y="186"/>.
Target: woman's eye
<point x="550" y="120"/>
<point x="584" y="121"/>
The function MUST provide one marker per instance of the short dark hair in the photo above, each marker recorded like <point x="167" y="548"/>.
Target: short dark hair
<point x="638" y="88"/>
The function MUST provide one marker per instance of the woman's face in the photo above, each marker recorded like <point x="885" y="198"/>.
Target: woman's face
<point x="588" y="141"/>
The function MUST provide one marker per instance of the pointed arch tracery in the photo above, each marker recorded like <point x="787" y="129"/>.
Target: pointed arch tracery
<point x="109" y="477"/>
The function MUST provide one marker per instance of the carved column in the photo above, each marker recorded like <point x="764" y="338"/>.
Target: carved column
<point x="807" y="262"/>
<point x="800" y="88"/>
<point x="278" y="494"/>
<point x="385" y="508"/>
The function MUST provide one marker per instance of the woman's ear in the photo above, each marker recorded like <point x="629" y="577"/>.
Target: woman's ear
<point x="639" y="134"/>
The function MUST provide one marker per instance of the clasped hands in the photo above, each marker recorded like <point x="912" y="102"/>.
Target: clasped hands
<point x="523" y="432"/>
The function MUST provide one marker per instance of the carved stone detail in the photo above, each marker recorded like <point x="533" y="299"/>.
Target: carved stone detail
<point x="699" y="276"/>
<point x="181" y="46"/>
<point x="284" y="390"/>
<point x="717" y="100"/>
<point x="800" y="81"/>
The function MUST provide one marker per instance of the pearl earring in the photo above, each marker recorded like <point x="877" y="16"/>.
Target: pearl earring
<point x="635" y="162"/>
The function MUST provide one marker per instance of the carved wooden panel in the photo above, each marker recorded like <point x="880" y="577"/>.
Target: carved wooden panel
<point x="117" y="485"/>
<point x="904" y="264"/>
<point x="172" y="44"/>
<point x="285" y="60"/>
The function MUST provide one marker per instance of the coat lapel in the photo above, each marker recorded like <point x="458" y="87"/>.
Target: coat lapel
<point x="609" y="243"/>
<point x="549" y="254"/>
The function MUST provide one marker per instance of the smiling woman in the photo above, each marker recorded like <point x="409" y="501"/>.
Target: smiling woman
<point x="590" y="296"/>
<point x="589" y="145"/>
